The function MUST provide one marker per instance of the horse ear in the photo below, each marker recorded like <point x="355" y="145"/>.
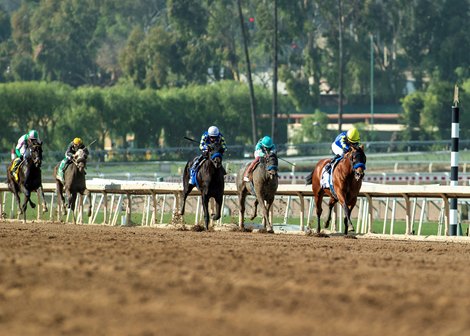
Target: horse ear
<point x="362" y="147"/>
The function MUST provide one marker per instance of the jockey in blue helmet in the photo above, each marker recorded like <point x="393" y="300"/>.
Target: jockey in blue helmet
<point x="209" y="138"/>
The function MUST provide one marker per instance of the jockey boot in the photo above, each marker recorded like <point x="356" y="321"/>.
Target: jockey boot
<point x="330" y="164"/>
<point x="246" y="176"/>
<point x="193" y="170"/>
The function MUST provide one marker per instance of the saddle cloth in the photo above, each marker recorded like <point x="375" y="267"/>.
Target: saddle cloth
<point x="326" y="175"/>
<point x="14" y="169"/>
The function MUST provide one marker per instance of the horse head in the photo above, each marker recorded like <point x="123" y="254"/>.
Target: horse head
<point x="358" y="162"/>
<point x="34" y="154"/>
<point x="271" y="164"/>
<point x="79" y="159"/>
<point x="215" y="155"/>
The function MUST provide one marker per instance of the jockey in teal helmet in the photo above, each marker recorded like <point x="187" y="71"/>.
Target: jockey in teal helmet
<point x="264" y="147"/>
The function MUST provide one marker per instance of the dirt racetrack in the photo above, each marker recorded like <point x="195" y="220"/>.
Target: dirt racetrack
<point x="58" y="279"/>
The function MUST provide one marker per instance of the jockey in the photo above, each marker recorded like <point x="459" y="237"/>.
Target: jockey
<point x="209" y="138"/>
<point x="264" y="147"/>
<point x="343" y="143"/>
<point x="72" y="148"/>
<point x="23" y="143"/>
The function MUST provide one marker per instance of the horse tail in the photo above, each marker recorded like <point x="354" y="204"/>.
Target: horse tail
<point x="308" y="179"/>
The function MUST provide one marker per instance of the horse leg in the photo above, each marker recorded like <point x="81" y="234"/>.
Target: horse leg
<point x="255" y="210"/>
<point x="187" y="189"/>
<point x="331" y="204"/>
<point x="218" y="207"/>
<point x="205" y="206"/>
<point x="40" y="193"/>
<point x="266" y="209"/>
<point x="348" y="225"/>
<point x="18" y="200"/>
<point x="86" y="193"/>
<point x="318" y="206"/>
<point x="241" y="204"/>
<point x="72" y="197"/>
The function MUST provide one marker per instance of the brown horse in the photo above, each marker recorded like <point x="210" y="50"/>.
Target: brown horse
<point x="346" y="182"/>
<point x="29" y="179"/>
<point x="210" y="182"/>
<point x="74" y="183"/>
<point x="264" y="187"/>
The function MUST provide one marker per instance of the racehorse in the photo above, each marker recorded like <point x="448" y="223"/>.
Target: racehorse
<point x="210" y="182"/>
<point x="264" y="187"/>
<point x="29" y="179"/>
<point x="74" y="183"/>
<point x="347" y="176"/>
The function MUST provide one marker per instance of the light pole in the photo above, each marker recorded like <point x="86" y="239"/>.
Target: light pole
<point x="371" y="82"/>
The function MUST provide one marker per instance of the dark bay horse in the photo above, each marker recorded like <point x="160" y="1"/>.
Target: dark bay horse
<point x="210" y="182"/>
<point x="347" y="178"/>
<point x="74" y="183"/>
<point x="264" y="187"/>
<point x="29" y="179"/>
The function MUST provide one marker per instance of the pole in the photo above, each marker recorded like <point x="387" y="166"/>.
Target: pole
<point x="275" y="75"/>
<point x="372" y="82"/>
<point x="454" y="167"/>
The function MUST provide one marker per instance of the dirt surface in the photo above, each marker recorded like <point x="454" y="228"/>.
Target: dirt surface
<point x="58" y="279"/>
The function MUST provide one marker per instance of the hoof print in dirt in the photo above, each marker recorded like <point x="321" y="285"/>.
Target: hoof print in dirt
<point x="263" y="230"/>
<point x="197" y="228"/>
<point x="320" y="235"/>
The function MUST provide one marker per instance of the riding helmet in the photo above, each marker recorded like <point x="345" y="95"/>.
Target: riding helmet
<point x="267" y="142"/>
<point x="353" y="135"/>
<point x="33" y="135"/>
<point x="213" y="131"/>
<point x="77" y="141"/>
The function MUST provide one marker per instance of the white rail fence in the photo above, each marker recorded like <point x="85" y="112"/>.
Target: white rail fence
<point x="116" y="200"/>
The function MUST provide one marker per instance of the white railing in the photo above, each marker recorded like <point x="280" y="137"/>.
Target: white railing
<point x="114" y="200"/>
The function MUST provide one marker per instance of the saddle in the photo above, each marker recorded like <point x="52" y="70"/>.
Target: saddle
<point x="326" y="181"/>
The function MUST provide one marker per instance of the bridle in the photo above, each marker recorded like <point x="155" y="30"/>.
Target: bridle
<point x="358" y="163"/>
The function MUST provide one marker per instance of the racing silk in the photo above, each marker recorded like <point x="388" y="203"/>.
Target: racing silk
<point x="22" y="145"/>
<point x="72" y="149"/>
<point x="341" y="145"/>
<point x="206" y="142"/>
<point x="261" y="151"/>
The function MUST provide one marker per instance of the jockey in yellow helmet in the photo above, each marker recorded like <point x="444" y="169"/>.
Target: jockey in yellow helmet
<point x="72" y="148"/>
<point x="343" y="143"/>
